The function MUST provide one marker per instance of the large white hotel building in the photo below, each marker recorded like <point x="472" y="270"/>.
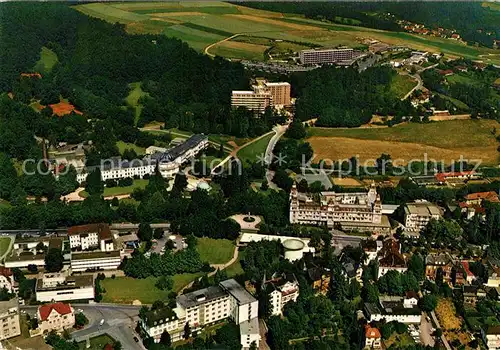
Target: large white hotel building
<point x="350" y="211"/>
<point x="168" y="162"/>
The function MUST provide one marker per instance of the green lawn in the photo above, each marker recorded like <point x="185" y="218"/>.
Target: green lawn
<point x="48" y="59"/>
<point x="448" y="134"/>
<point x="4" y="245"/>
<point x="97" y="343"/>
<point x="402" y="84"/>
<point x="133" y="97"/>
<point x="215" y="251"/>
<point x="122" y="146"/>
<point x="124" y="290"/>
<point x="4" y="204"/>
<point x="236" y="268"/>
<point x="203" y="23"/>
<point x="117" y="191"/>
<point x="257" y="149"/>
<point x="462" y="78"/>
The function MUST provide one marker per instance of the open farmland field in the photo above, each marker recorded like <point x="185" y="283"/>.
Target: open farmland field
<point x="201" y="24"/>
<point x="402" y="84"/>
<point x="440" y="141"/>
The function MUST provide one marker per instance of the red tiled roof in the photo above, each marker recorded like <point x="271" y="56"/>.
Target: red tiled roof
<point x="102" y="230"/>
<point x="443" y="176"/>
<point x="465" y="264"/>
<point x="5" y="271"/>
<point x="446" y="72"/>
<point x="61" y="308"/>
<point x="372" y="332"/>
<point x="62" y="108"/>
<point x="490" y="196"/>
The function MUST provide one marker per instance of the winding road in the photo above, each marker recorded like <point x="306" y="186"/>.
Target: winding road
<point x="217" y="43"/>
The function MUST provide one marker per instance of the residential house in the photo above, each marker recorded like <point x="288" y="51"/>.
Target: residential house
<point x="9" y="319"/>
<point x="493" y="277"/>
<point x="90" y="237"/>
<point x="469" y="276"/>
<point x="55" y="317"/>
<point x="410" y="300"/>
<point x="373" y="338"/>
<point x="320" y="279"/>
<point x="6" y="279"/>
<point x="282" y="289"/>
<point x="472" y="293"/>
<point x="478" y="198"/>
<point x="491" y="337"/>
<point x="438" y="263"/>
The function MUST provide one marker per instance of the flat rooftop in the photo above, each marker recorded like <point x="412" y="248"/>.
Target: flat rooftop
<point x="201" y="296"/>
<point x="95" y="255"/>
<point x="237" y="291"/>
<point x="71" y="282"/>
<point x="422" y="209"/>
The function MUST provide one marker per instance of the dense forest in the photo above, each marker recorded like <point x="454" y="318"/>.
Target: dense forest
<point x="344" y="97"/>
<point x="470" y="19"/>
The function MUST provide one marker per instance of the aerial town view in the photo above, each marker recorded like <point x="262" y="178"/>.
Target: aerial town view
<point x="249" y="175"/>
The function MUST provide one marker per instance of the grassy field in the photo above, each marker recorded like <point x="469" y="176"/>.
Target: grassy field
<point x="402" y="84"/>
<point x="124" y="290"/>
<point x="215" y="251"/>
<point x="133" y="97"/>
<point x="97" y="343"/>
<point x="117" y="191"/>
<point x="122" y="146"/>
<point x="201" y="24"/>
<point x="48" y="59"/>
<point x="439" y="140"/>
<point x="257" y="149"/>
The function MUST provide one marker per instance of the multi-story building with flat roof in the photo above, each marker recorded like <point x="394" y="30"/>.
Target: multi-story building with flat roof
<point x="52" y="287"/>
<point x="252" y="100"/>
<point x="9" y="319"/>
<point x="319" y="56"/>
<point x="359" y="210"/>
<point x="95" y="261"/>
<point x="263" y="94"/>
<point x="418" y="215"/>
<point x="204" y="307"/>
<point x="168" y="162"/>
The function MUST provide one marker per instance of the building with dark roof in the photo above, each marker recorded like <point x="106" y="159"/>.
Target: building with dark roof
<point x="391" y="258"/>
<point x="281" y="289"/>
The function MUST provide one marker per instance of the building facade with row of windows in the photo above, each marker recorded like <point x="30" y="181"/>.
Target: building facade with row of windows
<point x="359" y="210"/>
<point x="264" y="94"/>
<point x="320" y="56"/>
<point x="9" y="319"/>
<point x="203" y="307"/>
<point x="282" y="289"/>
<point x="53" y="287"/>
<point x="168" y="162"/>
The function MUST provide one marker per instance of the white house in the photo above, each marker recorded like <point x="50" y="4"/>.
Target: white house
<point x="282" y="289"/>
<point x="90" y="237"/>
<point x="55" y="317"/>
<point x="373" y="338"/>
<point x="393" y="309"/>
<point x="6" y="279"/>
<point x="491" y="337"/>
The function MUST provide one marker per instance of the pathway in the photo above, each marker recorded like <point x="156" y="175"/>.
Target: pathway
<point x="217" y="43"/>
<point x="420" y="83"/>
<point x="443" y="338"/>
<point x="234" y="152"/>
<point x="11" y="243"/>
<point x="218" y="266"/>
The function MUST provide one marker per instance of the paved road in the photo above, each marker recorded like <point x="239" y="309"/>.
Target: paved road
<point x="279" y="130"/>
<point x="217" y="43"/>
<point x="119" y="321"/>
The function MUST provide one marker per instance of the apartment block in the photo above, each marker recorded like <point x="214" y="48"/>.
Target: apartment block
<point x="9" y="319"/>
<point x="263" y="94"/>
<point x="418" y="215"/>
<point x="320" y="56"/>
<point x="204" y="307"/>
